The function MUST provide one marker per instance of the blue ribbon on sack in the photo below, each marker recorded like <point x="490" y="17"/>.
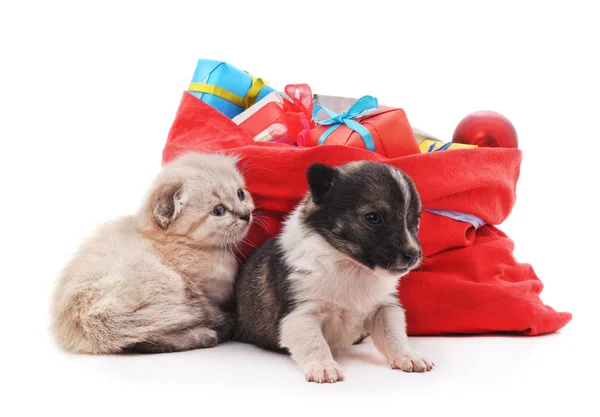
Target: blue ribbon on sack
<point x="358" y="109"/>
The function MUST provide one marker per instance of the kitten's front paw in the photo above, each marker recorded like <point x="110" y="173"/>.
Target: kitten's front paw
<point x="410" y="363"/>
<point x="362" y="338"/>
<point x="323" y="372"/>
<point x="205" y="337"/>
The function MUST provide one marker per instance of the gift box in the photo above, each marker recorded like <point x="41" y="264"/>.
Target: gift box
<point x="226" y="88"/>
<point x="432" y="145"/>
<point x="365" y="125"/>
<point x="258" y="117"/>
<point x="429" y="143"/>
<point x="284" y="117"/>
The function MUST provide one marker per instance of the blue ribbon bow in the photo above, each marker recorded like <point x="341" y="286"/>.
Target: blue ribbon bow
<point x="346" y="118"/>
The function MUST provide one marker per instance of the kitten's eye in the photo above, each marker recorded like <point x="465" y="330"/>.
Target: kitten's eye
<point x="241" y="194"/>
<point x="374" y="218"/>
<point x="218" y="210"/>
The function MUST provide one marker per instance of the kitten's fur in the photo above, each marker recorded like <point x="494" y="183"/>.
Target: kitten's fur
<point x="161" y="280"/>
<point x="332" y="274"/>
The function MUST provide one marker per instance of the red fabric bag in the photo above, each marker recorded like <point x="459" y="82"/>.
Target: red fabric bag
<point x="471" y="283"/>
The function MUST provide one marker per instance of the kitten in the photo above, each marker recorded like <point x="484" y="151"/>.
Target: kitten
<point x="332" y="273"/>
<point x="161" y="280"/>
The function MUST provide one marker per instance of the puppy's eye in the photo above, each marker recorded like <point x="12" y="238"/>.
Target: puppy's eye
<point x="241" y="194"/>
<point x="218" y="210"/>
<point x="374" y="218"/>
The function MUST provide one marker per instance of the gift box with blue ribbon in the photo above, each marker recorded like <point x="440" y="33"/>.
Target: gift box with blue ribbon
<point x="226" y="88"/>
<point x="366" y="125"/>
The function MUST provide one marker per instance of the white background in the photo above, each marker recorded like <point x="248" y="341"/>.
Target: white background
<point x="88" y="91"/>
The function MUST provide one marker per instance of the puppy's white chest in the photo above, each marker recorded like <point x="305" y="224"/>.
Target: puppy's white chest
<point x="351" y="287"/>
<point x="341" y="328"/>
<point x="346" y="295"/>
<point x="336" y="288"/>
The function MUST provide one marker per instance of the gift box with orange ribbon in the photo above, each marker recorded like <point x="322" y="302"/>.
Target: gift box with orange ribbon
<point x="280" y="117"/>
<point x="226" y="88"/>
<point x="381" y="129"/>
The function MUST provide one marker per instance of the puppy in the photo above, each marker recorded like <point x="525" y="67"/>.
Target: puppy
<point x="161" y="280"/>
<point x="332" y="273"/>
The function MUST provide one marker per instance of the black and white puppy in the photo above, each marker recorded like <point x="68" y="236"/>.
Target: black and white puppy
<point x="332" y="273"/>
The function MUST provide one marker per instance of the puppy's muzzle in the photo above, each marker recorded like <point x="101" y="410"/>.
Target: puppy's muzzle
<point x="409" y="259"/>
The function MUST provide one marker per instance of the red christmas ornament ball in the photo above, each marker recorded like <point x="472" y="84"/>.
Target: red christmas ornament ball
<point x="486" y="129"/>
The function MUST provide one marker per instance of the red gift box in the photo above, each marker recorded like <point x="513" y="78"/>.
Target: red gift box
<point x="287" y="119"/>
<point x="384" y="130"/>
<point x="471" y="282"/>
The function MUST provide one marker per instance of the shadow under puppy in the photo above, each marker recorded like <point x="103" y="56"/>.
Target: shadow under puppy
<point x="161" y="280"/>
<point x="332" y="273"/>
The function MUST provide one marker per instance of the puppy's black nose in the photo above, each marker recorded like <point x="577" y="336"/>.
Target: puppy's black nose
<point x="410" y="255"/>
<point x="245" y="217"/>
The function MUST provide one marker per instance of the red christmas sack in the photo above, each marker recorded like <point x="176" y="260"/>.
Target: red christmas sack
<point x="470" y="282"/>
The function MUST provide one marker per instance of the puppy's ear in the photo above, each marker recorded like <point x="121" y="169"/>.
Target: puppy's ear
<point x="320" y="180"/>
<point x="166" y="203"/>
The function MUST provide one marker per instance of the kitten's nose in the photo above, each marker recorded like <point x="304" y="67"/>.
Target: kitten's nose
<point x="245" y="217"/>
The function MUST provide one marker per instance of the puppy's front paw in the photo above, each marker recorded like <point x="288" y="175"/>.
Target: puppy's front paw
<point x="410" y="363"/>
<point x="323" y="372"/>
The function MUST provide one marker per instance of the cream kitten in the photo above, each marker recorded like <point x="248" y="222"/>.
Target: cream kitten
<point x="161" y="280"/>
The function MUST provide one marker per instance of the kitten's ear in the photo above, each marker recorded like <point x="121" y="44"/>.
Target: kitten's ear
<point x="166" y="203"/>
<point x="320" y="180"/>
